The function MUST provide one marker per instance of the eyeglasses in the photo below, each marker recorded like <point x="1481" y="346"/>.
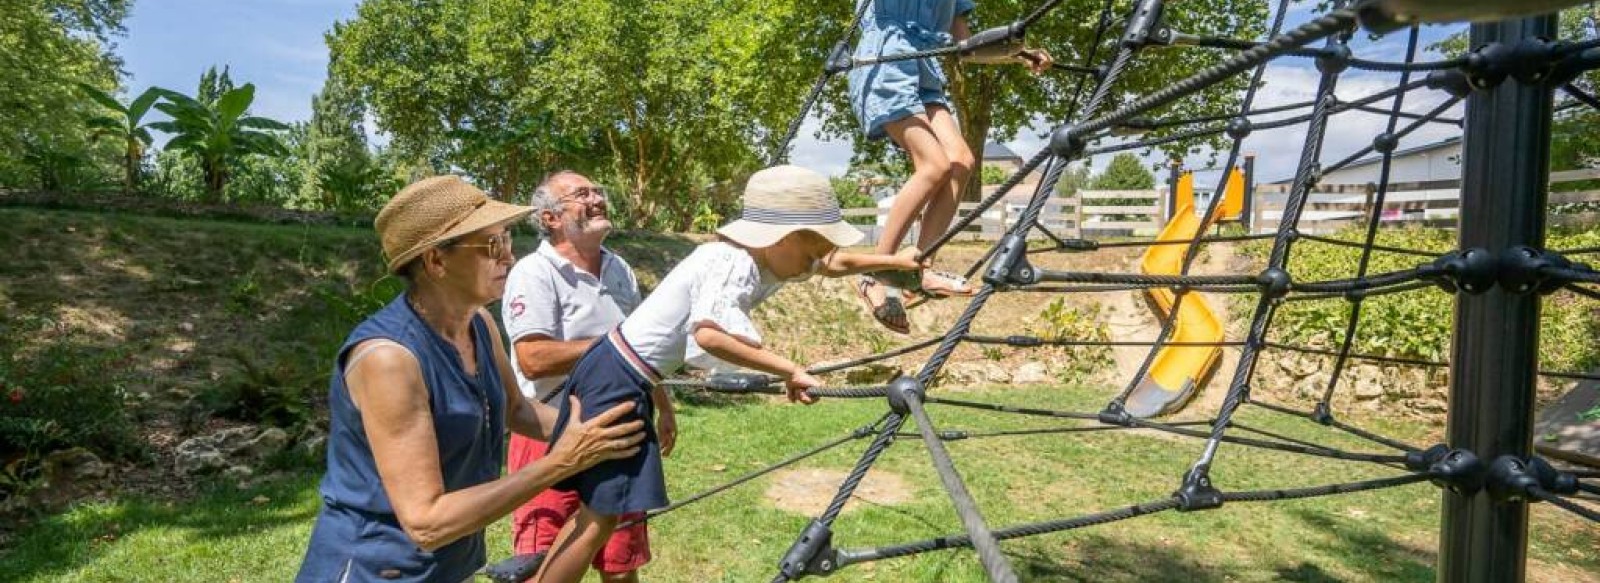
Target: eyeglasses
<point x="497" y="245"/>
<point x="586" y="193"/>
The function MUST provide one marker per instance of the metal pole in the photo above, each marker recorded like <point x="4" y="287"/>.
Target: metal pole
<point x="1494" y="357"/>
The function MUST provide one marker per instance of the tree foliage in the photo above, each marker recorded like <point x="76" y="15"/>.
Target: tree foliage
<point x="1125" y="172"/>
<point x="48" y="48"/>
<point x="218" y="132"/>
<point x="127" y="127"/>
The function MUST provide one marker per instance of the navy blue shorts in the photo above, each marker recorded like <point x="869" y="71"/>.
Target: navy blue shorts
<point x="608" y="374"/>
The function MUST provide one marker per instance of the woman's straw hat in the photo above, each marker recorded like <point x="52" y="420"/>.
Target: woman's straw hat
<point x="784" y="199"/>
<point x="434" y="210"/>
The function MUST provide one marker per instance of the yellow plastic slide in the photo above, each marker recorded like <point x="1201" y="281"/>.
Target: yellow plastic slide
<point x="1179" y="372"/>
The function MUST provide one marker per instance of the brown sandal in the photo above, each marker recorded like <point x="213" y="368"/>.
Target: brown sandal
<point x="891" y="314"/>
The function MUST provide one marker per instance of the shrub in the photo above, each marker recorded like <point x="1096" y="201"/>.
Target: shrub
<point x="45" y="406"/>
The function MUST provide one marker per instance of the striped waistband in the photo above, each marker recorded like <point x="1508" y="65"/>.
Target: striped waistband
<point x="633" y="359"/>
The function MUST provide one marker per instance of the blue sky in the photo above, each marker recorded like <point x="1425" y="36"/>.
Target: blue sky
<point x="278" y="45"/>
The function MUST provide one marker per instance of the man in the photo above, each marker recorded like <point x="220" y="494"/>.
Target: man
<point x="557" y="301"/>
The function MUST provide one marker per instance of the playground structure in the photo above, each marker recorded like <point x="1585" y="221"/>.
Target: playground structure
<point x="1485" y="468"/>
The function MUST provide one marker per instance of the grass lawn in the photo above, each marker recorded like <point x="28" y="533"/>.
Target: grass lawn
<point x="1388" y="535"/>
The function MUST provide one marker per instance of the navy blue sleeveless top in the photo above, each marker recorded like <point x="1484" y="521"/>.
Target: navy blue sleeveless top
<point x="357" y="537"/>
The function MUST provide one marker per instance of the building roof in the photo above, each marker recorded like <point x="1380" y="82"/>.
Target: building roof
<point x="996" y="151"/>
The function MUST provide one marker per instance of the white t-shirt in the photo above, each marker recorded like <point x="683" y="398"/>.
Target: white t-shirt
<point x="717" y="284"/>
<point x="548" y="295"/>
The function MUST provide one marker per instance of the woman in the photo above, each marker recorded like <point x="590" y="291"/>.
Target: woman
<point x="420" y="400"/>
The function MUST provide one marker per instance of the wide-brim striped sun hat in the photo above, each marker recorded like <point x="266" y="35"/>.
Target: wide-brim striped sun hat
<point x="784" y="199"/>
<point x="434" y="210"/>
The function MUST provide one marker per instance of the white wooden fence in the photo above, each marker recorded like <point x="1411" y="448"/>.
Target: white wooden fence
<point x="1436" y="203"/>
<point x="1092" y="213"/>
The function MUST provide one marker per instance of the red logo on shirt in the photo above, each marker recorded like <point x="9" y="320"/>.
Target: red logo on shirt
<point x="517" y="306"/>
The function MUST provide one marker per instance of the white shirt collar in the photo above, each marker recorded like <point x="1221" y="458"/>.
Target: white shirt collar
<point x="561" y="262"/>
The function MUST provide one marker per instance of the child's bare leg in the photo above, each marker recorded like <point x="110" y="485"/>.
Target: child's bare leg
<point x="942" y="208"/>
<point x="575" y="547"/>
<point x="930" y="179"/>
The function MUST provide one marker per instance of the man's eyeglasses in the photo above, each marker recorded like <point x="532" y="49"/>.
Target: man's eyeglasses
<point x="585" y="194"/>
<point x="497" y="244"/>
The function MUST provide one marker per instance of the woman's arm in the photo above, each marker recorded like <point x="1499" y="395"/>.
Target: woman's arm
<point x="388" y="389"/>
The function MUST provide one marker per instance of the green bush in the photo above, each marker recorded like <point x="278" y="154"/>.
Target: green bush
<point x="1418" y="324"/>
<point x="44" y="408"/>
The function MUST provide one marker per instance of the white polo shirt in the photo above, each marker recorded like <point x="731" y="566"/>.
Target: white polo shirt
<point x="548" y="295"/>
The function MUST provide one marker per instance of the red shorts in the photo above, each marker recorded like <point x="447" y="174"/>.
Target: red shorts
<point x="534" y="525"/>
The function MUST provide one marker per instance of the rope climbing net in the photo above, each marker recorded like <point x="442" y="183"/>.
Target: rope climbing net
<point x="1513" y="74"/>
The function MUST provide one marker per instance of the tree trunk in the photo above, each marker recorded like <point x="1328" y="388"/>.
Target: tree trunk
<point x="972" y="93"/>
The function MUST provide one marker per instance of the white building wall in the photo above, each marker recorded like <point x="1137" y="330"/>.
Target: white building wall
<point x="1441" y="164"/>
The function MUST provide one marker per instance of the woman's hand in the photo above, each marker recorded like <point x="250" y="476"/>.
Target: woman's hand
<point x="907" y="259"/>
<point x="585" y="444"/>
<point x="1037" y="60"/>
<point x="797" y="384"/>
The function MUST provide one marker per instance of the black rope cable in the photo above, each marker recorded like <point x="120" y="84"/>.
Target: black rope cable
<point x="1237" y="426"/>
<point x="1319" y="28"/>
<point x="1374" y="247"/>
<point x="781" y="154"/>
<point x="958" y="434"/>
<point x="1572" y="274"/>
<point x="1257" y="126"/>
<point x="786" y="462"/>
<point x="1382" y="280"/>
<point x="875" y="357"/>
<point x="1192" y="281"/>
<point x="1582" y="96"/>
<point x="1028" y="341"/>
<point x="1423" y="117"/>
<point x="1579" y="251"/>
<point x="1563" y="503"/>
<point x="1590" y="488"/>
<point x="1577" y="376"/>
<point x="1412" y="127"/>
<point x="994" y="562"/>
<point x="853" y="556"/>
<point x="1319" y="451"/>
<point x="1153" y="243"/>
<point x="1396" y="289"/>
<point x="1278" y="258"/>
<point x="1371" y="357"/>
<point x="1357" y="63"/>
<point x="1336" y="424"/>
<point x="1161" y="123"/>
<point x="1582" y="291"/>
<point x="841" y="392"/>
<point x="1328" y="490"/>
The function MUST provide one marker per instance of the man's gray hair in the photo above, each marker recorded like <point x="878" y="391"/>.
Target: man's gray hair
<point x="544" y="199"/>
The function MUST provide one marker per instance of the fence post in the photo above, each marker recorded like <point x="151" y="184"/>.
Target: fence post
<point x="1174" y="174"/>
<point x="1246" y="212"/>
<point x="1366" y="207"/>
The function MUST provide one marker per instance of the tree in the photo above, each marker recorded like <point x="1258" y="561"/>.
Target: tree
<point x="218" y="134"/>
<point x="126" y="127"/>
<point x="47" y="48"/>
<point x="339" y="172"/>
<point x="672" y="102"/>
<point x="1125" y="172"/>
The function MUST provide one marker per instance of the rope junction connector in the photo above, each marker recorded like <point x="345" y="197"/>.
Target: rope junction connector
<point x="1323" y="415"/>
<point x="1422" y="461"/>
<point x="838" y="59"/>
<point x="1197" y="493"/>
<point x="1334" y="58"/>
<point x="1512" y="479"/>
<point x="1115" y="413"/>
<point x="1529" y="62"/>
<point x="1240" y="127"/>
<point x="1453" y="82"/>
<point x="1459" y="471"/>
<point x="1275" y="283"/>
<point x="1528" y="270"/>
<point x="811" y="554"/>
<point x="1010" y="265"/>
<point x="1471" y="271"/>
<point x="999" y="35"/>
<point x="901" y="390"/>
<point x="1145" y="23"/>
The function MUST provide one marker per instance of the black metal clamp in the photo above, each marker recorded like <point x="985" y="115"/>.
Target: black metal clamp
<point x="811" y="554"/>
<point x="1010" y="265"/>
<point x="1197" y="493"/>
